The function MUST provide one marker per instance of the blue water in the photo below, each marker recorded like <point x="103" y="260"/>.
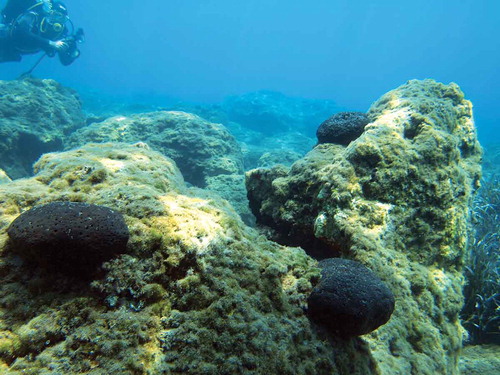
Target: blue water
<point x="349" y="51"/>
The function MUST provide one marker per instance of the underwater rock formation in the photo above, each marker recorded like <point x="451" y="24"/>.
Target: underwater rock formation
<point x="283" y="148"/>
<point x="480" y="360"/>
<point x="200" y="148"/>
<point x="342" y="128"/>
<point x="396" y="199"/>
<point x="3" y="177"/>
<point x="271" y="113"/>
<point x="35" y="116"/>
<point x="73" y="238"/>
<point x="350" y="300"/>
<point x="197" y="291"/>
<point x="232" y="188"/>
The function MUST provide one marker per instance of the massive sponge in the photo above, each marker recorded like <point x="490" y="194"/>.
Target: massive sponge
<point x="72" y="238"/>
<point x="342" y="128"/>
<point x="350" y="300"/>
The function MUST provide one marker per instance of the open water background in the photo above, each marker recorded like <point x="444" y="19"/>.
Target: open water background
<point x="348" y="51"/>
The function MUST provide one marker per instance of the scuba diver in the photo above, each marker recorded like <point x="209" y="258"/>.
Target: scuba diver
<point x="31" y="26"/>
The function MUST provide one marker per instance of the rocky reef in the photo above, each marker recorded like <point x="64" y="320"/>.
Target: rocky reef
<point x="196" y="290"/>
<point x="396" y="199"/>
<point x="35" y="116"/>
<point x="271" y="113"/>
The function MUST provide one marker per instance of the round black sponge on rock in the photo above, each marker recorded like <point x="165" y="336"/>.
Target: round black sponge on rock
<point x="350" y="300"/>
<point x="70" y="238"/>
<point x="342" y="128"/>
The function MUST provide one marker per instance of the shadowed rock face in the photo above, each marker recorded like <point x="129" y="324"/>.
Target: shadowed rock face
<point x="350" y="300"/>
<point x="70" y="238"/>
<point x="397" y="200"/>
<point x="35" y="116"/>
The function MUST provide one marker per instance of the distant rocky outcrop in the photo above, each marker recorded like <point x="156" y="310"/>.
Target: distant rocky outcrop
<point x="35" y="116"/>
<point x="200" y="148"/>
<point x="396" y="199"/>
<point x="272" y="113"/>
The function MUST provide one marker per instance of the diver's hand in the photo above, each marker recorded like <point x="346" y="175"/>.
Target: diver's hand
<point x="58" y="45"/>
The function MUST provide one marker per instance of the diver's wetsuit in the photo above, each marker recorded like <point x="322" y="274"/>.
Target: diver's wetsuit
<point x="14" y="8"/>
<point x="26" y="34"/>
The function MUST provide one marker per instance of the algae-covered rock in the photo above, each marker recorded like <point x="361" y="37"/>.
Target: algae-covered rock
<point x="480" y="360"/>
<point x="232" y="188"/>
<point x="200" y="148"/>
<point x="196" y="291"/>
<point x="3" y="177"/>
<point x="35" y="116"/>
<point x="396" y="199"/>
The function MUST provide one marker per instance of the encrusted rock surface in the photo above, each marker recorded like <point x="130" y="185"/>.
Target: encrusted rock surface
<point x="480" y="360"/>
<point x="3" y="177"/>
<point x="200" y="148"/>
<point x="232" y="188"/>
<point x="35" y="116"/>
<point x="396" y="199"/>
<point x="196" y="292"/>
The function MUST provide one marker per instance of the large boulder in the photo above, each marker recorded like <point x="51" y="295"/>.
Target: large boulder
<point x="35" y="117"/>
<point x="200" y="148"/>
<point x="396" y="199"/>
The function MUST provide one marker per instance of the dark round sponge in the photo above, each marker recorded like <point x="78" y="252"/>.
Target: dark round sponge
<point x="71" y="238"/>
<point x="350" y="300"/>
<point x="342" y="128"/>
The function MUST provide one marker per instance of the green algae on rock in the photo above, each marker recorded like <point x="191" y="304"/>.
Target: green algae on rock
<point x="196" y="292"/>
<point x="35" y="116"/>
<point x="200" y="148"/>
<point x="396" y="199"/>
<point x="480" y="360"/>
<point x="3" y="177"/>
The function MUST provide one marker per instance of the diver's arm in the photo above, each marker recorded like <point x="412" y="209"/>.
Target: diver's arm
<point x="24" y="34"/>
